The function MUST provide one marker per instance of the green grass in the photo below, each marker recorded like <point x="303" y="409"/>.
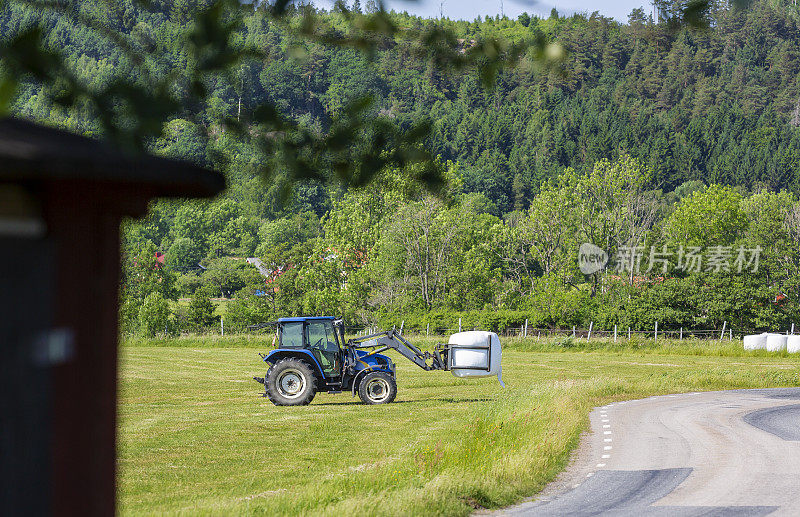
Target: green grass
<point x="261" y="342"/>
<point x="196" y="438"/>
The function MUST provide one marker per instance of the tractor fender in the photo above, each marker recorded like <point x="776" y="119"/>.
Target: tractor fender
<point x="365" y="371"/>
<point x="305" y="355"/>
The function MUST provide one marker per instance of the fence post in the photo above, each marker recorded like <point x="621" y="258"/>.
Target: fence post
<point x="722" y="334"/>
<point x="730" y="334"/>
<point x="539" y="336"/>
<point x="222" y="325"/>
<point x="591" y="324"/>
<point x="573" y="332"/>
<point x="629" y="333"/>
<point x="793" y="329"/>
<point x="428" y="330"/>
<point x="656" y="334"/>
<point x="459" y="324"/>
<point x="401" y="326"/>
<point x="526" y="327"/>
<point x="681" y="336"/>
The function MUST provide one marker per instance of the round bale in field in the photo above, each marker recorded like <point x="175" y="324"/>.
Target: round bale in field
<point x="793" y="344"/>
<point x="755" y="341"/>
<point x="776" y="342"/>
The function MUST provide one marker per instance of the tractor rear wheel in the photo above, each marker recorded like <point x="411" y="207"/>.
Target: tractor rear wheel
<point x="377" y="388"/>
<point x="290" y="382"/>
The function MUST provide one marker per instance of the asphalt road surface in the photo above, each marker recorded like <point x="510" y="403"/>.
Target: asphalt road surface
<point x="726" y="453"/>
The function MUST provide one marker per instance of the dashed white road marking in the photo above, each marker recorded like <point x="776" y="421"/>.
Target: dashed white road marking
<point x="605" y="420"/>
<point x="606" y="426"/>
<point x="607" y="448"/>
<point x="601" y="465"/>
<point x="590" y="474"/>
<point x="606" y="432"/>
<point x="605" y="456"/>
<point x="606" y="439"/>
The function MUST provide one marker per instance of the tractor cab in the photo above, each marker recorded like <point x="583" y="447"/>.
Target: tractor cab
<point x="323" y="337"/>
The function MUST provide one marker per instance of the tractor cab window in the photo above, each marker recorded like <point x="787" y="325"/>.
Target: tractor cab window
<point x="292" y="335"/>
<point x="320" y="336"/>
<point x="322" y="342"/>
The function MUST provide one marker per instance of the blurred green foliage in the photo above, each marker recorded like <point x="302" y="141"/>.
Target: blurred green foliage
<point x="535" y="134"/>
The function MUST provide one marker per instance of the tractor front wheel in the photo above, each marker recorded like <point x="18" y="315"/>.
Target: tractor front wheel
<point x="377" y="388"/>
<point x="290" y="382"/>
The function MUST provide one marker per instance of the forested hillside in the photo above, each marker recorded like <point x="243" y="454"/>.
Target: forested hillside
<point x="641" y="115"/>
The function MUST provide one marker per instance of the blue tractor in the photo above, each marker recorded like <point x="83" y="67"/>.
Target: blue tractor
<point x="312" y="356"/>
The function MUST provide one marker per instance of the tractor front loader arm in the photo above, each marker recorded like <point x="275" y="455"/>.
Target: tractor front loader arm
<point x="392" y="340"/>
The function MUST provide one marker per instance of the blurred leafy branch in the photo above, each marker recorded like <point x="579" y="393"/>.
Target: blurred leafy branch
<point x="133" y="107"/>
<point x="694" y="14"/>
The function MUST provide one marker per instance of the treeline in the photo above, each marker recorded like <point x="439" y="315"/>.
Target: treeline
<point x="719" y="105"/>
<point x="642" y="115"/>
<point x="692" y="258"/>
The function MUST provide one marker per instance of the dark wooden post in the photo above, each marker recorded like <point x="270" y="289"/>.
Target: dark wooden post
<point x="59" y="290"/>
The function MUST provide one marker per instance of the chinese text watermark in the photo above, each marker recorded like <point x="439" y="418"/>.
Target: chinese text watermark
<point x="689" y="259"/>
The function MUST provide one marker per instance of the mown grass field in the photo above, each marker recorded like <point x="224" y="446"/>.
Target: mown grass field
<point x="196" y="438"/>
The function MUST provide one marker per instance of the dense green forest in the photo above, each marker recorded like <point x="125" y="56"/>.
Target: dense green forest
<point x="669" y="138"/>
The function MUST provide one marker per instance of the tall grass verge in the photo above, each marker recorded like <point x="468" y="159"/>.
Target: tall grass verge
<point x="637" y="344"/>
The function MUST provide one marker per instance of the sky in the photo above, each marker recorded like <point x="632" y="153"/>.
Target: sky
<point x="471" y="9"/>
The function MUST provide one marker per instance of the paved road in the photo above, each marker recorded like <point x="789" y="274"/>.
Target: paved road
<point x="718" y="453"/>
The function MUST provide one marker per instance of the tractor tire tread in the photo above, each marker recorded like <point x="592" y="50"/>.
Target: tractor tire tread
<point x="362" y="385"/>
<point x="270" y="382"/>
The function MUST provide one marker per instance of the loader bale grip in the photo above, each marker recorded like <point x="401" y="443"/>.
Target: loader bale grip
<point x="468" y="354"/>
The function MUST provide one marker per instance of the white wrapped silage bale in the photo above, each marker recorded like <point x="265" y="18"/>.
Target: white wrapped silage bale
<point x="475" y="354"/>
<point x="793" y="344"/>
<point x="776" y="342"/>
<point x="755" y="341"/>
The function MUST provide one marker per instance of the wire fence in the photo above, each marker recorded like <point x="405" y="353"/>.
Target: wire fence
<point x="615" y="333"/>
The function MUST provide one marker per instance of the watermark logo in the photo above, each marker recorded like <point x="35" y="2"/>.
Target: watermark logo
<point x="691" y="259"/>
<point x="591" y="258"/>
